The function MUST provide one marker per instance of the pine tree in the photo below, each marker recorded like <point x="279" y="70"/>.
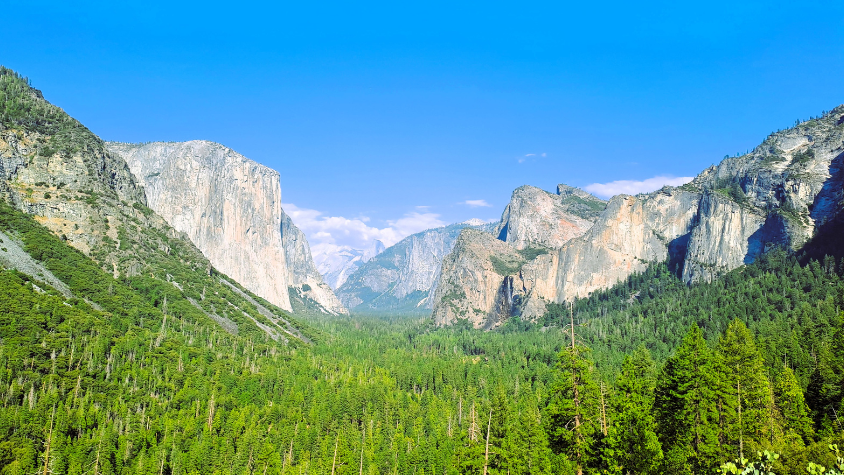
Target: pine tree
<point x="573" y="408"/>
<point x="685" y="407"/>
<point x="748" y="422"/>
<point x="796" y="422"/>
<point x="632" y="445"/>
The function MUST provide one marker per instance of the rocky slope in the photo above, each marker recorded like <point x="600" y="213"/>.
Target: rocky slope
<point x="230" y="207"/>
<point x="535" y="217"/>
<point x="59" y="173"/>
<point x="776" y="195"/>
<point x="403" y="277"/>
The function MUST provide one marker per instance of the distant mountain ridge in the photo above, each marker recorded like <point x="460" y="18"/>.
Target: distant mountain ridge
<point x="403" y="278"/>
<point x="338" y="266"/>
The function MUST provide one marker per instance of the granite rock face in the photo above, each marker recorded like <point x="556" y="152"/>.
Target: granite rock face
<point x="535" y="217"/>
<point x="487" y="280"/>
<point x="230" y="208"/>
<point x="631" y="233"/>
<point x="403" y="277"/>
<point x="476" y="283"/>
<point x="775" y="196"/>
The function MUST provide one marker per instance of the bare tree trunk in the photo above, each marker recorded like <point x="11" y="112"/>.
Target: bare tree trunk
<point x="334" y="462"/>
<point x="741" y="429"/>
<point x="486" y="454"/>
<point x="49" y="442"/>
<point x="362" y="445"/>
<point x="603" y="412"/>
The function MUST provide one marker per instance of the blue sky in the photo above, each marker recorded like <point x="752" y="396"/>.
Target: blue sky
<point x="375" y="113"/>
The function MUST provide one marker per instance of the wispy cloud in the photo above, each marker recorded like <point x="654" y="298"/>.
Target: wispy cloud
<point x="528" y="157"/>
<point x="632" y="187"/>
<point x="476" y="203"/>
<point x="332" y="234"/>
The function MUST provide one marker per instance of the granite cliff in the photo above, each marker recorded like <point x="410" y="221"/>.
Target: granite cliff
<point x="775" y="196"/>
<point x="230" y="207"/>
<point x="489" y="278"/>
<point x="404" y="277"/>
<point x="66" y="179"/>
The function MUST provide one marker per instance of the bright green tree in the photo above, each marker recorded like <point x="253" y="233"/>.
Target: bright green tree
<point x="747" y="420"/>
<point x="685" y="407"/>
<point x="632" y="445"/>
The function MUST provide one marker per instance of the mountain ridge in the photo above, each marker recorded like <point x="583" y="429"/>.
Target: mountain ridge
<point x="729" y="215"/>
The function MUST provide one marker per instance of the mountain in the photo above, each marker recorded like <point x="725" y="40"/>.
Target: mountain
<point x="778" y="195"/>
<point x="337" y="266"/>
<point x="76" y="219"/>
<point x="230" y="207"/>
<point x="477" y="280"/>
<point x="403" y="277"/>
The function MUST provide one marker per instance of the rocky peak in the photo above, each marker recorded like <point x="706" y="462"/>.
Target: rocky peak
<point x="535" y="217"/>
<point x="403" y="277"/>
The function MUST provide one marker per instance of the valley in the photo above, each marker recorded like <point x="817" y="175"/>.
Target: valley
<point x="160" y="313"/>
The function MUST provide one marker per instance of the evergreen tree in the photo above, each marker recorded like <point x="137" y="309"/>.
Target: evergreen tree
<point x="796" y="422"/>
<point x="632" y="444"/>
<point x="745" y="397"/>
<point x="685" y="407"/>
<point x="573" y="408"/>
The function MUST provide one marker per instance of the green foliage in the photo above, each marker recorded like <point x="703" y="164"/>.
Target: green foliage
<point x="23" y="107"/>
<point x="837" y="469"/>
<point x="632" y="444"/>
<point x="505" y="266"/>
<point x="803" y="157"/>
<point x="734" y="192"/>
<point x="531" y="253"/>
<point x="762" y="466"/>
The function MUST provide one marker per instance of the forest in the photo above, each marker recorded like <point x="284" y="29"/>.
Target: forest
<point x="657" y="377"/>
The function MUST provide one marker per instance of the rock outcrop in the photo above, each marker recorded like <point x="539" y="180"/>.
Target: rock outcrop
<point x="404" y="277"/>
<point x="230" y="207"/>
<point x="524" y="265"/>
<point x="535" y="217"/>
<point x="775" y="196"/>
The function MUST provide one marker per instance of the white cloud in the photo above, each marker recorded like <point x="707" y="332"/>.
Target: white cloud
<point x="632" y="187"/>
<point x="331" y="234"/>
<point x="476" y="203"/>
<point x="527" y="157"/>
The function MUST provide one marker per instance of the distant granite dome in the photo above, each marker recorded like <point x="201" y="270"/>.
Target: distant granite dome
<point x="230" y="207"/>
<point x="338" y="266"/>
